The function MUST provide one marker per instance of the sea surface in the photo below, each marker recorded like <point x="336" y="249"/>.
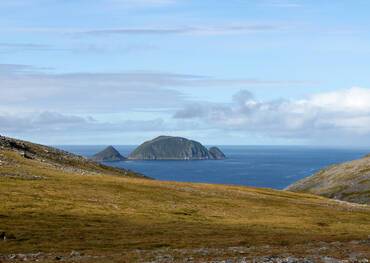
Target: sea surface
<point x="259" y="166"/>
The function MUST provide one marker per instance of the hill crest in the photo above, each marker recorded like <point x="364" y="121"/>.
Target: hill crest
<point x="59" y="159"/>
<point x="349" y="181"/>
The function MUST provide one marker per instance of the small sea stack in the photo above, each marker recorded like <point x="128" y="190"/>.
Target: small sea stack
<point x="109" y="154"/>
<point x="216" y="153"/>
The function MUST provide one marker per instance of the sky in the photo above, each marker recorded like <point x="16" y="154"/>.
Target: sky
<point x="223" y="72"/>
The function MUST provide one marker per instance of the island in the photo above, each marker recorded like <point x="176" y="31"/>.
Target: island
<point x="109" y="154"/>
<point x="174" y="148"/>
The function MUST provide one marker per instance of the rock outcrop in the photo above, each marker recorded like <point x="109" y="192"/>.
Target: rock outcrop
<point x="171" y="148"/>
<point x="216" y="153"/>
<point x="109" y="154"/>
<point x="349" y="181"/>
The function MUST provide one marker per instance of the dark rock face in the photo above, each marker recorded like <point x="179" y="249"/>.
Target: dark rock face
<point x="216" y="153"/>
<point x="170" y="148"/>
<point x="109" y="154"/>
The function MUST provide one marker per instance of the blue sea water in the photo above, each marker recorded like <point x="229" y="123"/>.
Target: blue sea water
<point x="259" y="166"/>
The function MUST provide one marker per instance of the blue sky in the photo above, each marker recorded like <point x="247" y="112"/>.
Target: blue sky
<point x="222" y="72"/>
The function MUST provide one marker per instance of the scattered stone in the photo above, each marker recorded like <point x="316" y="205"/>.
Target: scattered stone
<point x="336" y="243"/>
<point x="23" y="176"/>
<point x="26" y="155"/>
<point x="240" y="250"/>
<point x="75" y="254"/>
<point x="189" y="260"/>
<point x="164" y="259"/>
<point x="323" y="249"/>
<point x="6" y="236"/>
<point x="330" y="260"/>
<point x="59" y="258"/>
<point x="22" y="257"/>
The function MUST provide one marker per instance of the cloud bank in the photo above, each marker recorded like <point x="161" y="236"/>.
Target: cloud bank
<point x="31" y="88"/>
<point x="330" y="116"/>
<point x="94" y="93"/>
<point x="38" y="101"/>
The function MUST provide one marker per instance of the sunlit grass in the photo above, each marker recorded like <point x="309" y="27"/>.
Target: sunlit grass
<point x="67" y="211"/>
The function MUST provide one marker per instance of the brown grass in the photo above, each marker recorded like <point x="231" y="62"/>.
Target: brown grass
<point x="107" y="214"/>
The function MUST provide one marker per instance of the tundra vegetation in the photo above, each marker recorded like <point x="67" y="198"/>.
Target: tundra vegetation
<point x="54" y="203"/>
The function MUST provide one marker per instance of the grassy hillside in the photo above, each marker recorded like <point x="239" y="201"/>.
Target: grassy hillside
<point x="55" y="210"/>
<point x="349" y="181"/>
<point x="52" y="158"/>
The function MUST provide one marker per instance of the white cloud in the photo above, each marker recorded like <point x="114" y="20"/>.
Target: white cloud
<point x="354" y="99"/>
<point x="158" y="30"/>
<point x="35" y="101"/>
<point x="125" y="3"/>
<point x="90" y="93"/>
<point x="142" y="2"/>
<point x="329" y="116"/>
<point x="281" y="3"/>
<point x="187" y="30"/>
<point x="57" y="128"/>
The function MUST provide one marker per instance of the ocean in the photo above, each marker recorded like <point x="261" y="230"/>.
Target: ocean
<point x="260" y="166"/>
